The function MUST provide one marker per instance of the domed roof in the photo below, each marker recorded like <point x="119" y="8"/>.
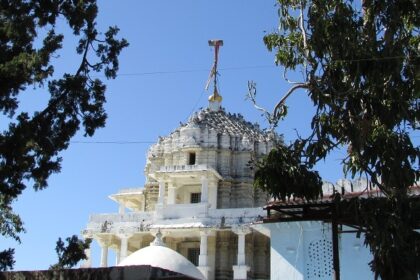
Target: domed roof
<point x="232" y="124"/>
<point x="158" y="255"/>
<point x="215" y="128"/>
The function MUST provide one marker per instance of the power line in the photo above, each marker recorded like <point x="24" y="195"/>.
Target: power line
<point x="235" y="68"/>
<point x="371" y="59"/>
<point x="126" y="142"/>
<point x="195" y="70"/>
<point x="123" y="142"/>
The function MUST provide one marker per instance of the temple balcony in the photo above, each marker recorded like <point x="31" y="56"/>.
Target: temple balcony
<point x="184" y="168"/>
<point x="179" y="211"/>
<point x="173" y="216"/>
<point x="131" y="198"/>
<point x="187" y="173"/>
<point x="185" y="183"/>
<point x="234" y="216"/>
<point x="113" y="223"/>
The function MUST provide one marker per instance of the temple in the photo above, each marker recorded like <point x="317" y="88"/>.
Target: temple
<point x="199" y="194"/>
<point x="199" y="207"/>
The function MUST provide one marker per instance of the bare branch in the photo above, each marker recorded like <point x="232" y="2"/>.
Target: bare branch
<point x="291" y="90"/>
<point x="305" y="36"/>
<point x="252" y="92"/>
<point x="302" y="29"/>
<point x="278" y="112"/>
<point x="287" y="79"/>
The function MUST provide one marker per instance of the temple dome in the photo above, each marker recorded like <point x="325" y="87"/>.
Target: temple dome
<point x="158" y="255"/>
<point x="203" y="128"/>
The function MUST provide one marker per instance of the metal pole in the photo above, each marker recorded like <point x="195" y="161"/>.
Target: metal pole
<point x="336" y="255"/>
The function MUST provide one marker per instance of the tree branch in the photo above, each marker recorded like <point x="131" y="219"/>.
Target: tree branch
<point x="252" y="92"/>
<point x="84" y="58"/>
<point x="302" y="29"/>
<point x="284" y="98"/>
<point x="287" y="79"/>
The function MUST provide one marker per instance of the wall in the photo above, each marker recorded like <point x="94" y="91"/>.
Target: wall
<point x="143" y="272"/>
<point x="303" y="250"/>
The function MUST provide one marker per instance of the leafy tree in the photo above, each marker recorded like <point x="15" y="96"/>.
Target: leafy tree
<point x="31" y="142"/>
<point x="297" y="180"/>
<point x="6" y="259"/>
<point x="361" y="69"/>
<point x="70" y="255"/>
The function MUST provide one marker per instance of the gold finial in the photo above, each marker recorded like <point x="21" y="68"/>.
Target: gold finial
<point x="215" y="97"/>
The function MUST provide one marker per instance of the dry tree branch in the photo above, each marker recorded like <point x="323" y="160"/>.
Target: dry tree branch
<point x="279" y="110"/>
<point x="287" y="79"/>
<point x="284" y="98"/>
<point x="252" y="93"/>
<point x="302" y="29"/>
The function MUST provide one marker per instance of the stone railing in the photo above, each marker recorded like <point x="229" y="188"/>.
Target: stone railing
<point x="174" y="214"/>
<point x="183" y="168"/>
<point x="130" y="190"/>
<point x="179" y="211"/>
<point x="117" y="223"/>
<point x="234" y="216"/>
<point x="120" y="218"/>
<point x="347" y="186"/>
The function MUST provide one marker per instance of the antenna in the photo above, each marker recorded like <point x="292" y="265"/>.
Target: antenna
<point x="213" y="73"/>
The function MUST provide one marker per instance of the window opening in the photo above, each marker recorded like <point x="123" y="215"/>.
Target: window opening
<point x="195" y="198"/>
<point x="191" y="159"/>
<point x="193" y="254"/>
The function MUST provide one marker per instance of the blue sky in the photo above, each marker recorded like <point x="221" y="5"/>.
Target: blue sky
<point x="160" y="83"/>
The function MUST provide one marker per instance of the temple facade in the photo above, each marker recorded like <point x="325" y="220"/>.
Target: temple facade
<point x="199" y="194"/>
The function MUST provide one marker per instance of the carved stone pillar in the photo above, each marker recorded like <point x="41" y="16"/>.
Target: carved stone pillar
<point x="161" y="197"/>
<point x="240" y="270"/>
<point x="204" y="189"/>
<point x="117" y="256"/>
<point x="171" y="194"/>
<point x="121" y="209"/>
<point x="203" y="262"/>
<point x="212" y="194"/>
<point x="124" y="237"/>
<point x="104" y="253"/>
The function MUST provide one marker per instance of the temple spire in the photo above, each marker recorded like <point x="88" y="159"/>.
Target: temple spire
<point x="215" y="99"/>
<point x="158" y="240"/>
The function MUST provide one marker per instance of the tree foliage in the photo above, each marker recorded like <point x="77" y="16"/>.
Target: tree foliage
<point x="69" y="255"/>
<point x="6" y="259"/>
<point x="29" y="43"/>
<point x="388" y="230"/>
<point x="361" y="70"/>
<point x="297" y="181"/>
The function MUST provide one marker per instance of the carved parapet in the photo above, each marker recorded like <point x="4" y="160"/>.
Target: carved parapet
<point x="87" y="234"/>
<point x="241" y="229"/>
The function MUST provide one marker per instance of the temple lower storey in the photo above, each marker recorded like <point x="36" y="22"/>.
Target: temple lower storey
<point x="219" y="252"/>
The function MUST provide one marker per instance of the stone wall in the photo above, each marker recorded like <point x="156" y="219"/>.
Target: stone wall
<point x="143" y="272"/>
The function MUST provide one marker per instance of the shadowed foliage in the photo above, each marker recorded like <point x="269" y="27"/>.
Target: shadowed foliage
<point x="360" y="63"/>
<point x="69" y="255"/>
<point x="30" y="142"/>
<point x="6" y="259"/>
